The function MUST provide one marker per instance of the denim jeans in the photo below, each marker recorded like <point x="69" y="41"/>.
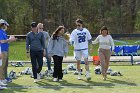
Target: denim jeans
<point x="48" y="60"/>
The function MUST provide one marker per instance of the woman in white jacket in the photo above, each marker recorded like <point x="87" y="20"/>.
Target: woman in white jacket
<point x="106" y="46"/>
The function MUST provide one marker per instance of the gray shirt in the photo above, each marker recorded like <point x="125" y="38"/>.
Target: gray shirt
<point x="57" y="47"/>
<point x="46" y="38"/>
<point x="35" y="42"/>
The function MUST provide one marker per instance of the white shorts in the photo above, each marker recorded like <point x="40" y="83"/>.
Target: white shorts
<point x="79" y="54"/>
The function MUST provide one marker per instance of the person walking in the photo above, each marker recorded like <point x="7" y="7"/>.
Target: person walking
<point x="36" y="47"/>
<point x="106" y="43"/>
<point x="57" y="49"/>
<point x="4" y="40"/>
<point x="46" y="37"/>
<point x="80" y="38"/>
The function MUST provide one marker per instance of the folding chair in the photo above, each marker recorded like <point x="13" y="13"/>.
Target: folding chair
<point x="118" y="51"/>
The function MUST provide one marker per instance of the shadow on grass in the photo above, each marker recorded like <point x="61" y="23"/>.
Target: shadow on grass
<point x="127" y="83"/>
<point x="14" y="88"/>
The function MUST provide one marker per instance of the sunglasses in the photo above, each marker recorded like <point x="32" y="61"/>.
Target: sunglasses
<point x="40" y="28"/>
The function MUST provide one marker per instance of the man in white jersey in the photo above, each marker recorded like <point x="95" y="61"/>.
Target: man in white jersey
<point x="80" y="38"/>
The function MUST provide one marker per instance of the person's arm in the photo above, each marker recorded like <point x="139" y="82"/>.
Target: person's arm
<point x="72" y="38"/>
<point x="0" y="52"/>
<point x="27" y="43"/>
<point x="112" y="43"/>
<point x="50" y="46"/>
<point x="9" y="40"/>
<point x="43" y="44"/>
<point x="89" y="37"/>
<point x="48" y="36"/>
<point x="96" y="40"/>
<point x="65" y="48"/>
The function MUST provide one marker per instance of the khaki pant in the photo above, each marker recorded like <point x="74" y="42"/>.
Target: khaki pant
<point x="104" y="55"/>
<point x="3" y="68"/>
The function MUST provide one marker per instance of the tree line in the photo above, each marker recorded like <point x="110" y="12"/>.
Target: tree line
<point x="120" y="16"/>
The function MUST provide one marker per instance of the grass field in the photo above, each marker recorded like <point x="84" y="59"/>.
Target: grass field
<point x="128" y="83"/>
<point x="17" y="50"/>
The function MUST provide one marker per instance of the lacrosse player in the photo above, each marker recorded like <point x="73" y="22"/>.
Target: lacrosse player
<point x="80" y="38"/>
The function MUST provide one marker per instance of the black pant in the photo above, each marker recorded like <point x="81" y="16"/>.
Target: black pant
<point x="37" y="62"/>
<point x="58" y="67"/>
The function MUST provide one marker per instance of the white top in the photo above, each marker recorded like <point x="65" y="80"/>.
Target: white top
<point x="79" y="38"/>
<point x="105" y="42"/>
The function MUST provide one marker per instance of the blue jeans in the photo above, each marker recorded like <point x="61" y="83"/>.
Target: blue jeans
<point x="48" y="60"/>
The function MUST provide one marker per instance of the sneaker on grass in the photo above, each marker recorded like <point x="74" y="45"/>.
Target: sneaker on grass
<point x="2" y="84"/>
<point x="79" y="76"/>
<point x="88" y="75"/>
<point x="2" y="87"/>
<point x="55" y="79"/>
<point x="38" y="76"/>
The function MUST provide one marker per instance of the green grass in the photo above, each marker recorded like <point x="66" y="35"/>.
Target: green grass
<point x="128" y="83"/>
<point x="17" y="50"/>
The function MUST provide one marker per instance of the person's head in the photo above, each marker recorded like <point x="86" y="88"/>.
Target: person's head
<point x="40" y="27"/>
<point x="104" y="31"/>
<point x="58" y="32"/>
<point x="79" y="23"/>
<point x="3" y="24"/>
<point x="34" y="26"/>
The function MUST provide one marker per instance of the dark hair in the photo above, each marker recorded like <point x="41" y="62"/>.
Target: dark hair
<point x="79" y="21"/>
<point x="55" y="33"/>
<point x="2" y="25"/>
<point x="104" y="28"/>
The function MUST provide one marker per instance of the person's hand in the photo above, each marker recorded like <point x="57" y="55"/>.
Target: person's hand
<point x="12" y="38"/>
<point x="91" y="50"/>
<point x="44" y="53"/>
<point x="65" y="55"/>
<point x="0" y="56"/>
<point x="28" y="55"/>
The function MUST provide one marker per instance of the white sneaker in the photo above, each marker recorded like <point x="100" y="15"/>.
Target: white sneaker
<point x="2" y="84"/>
<point x="55" y="79"/>
<point x="1" y="87"/>
<point x="38" y="76"/>
<point x="4" y="81"/>
<point x="60" y="80"/>
<point x="50" y="71"/>
<point x="88" y="75"/>
<point x="79" y="76"/>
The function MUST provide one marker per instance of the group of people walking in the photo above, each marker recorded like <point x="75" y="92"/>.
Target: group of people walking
<point x="40" y="44"/>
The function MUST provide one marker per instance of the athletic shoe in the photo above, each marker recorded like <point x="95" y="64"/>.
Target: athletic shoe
<point x="60" y="80"/>
<point x="4" y="81"/>
<point x="50" y="71"/>
<point x="2" y="84"/>
<point x="79" y="76"/>
<point x="1" y="87"/>
<point x="38" y="76"/>
<point x="88" y="75"/>
<point x="55" y="79"/>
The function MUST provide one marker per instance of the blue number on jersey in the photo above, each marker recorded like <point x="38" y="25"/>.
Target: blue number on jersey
<point x="81" y="39"/>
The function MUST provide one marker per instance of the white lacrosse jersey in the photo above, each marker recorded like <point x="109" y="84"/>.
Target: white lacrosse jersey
<point x="79" y="39"/>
